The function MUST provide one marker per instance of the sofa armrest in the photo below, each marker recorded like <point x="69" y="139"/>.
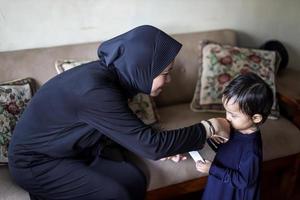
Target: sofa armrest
<point x="290" y="108"/>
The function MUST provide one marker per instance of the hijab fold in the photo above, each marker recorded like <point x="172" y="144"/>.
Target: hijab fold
<point x="138" y="56"/>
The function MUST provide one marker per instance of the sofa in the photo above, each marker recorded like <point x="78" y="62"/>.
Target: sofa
<point x="168" y="180"/>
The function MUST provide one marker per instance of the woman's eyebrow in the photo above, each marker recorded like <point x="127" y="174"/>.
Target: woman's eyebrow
<point x="165" y="72"/>
<point x="169" y="69"/>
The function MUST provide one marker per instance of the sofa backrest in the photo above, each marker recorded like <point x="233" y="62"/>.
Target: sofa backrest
<point x="185" y="72"/>
<point x="39" y="63"/>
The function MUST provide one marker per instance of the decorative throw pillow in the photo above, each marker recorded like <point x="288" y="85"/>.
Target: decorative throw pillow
<point x="144" y="107"/>
<point x="64" y="65"/>
<point x="141" y="104"/>
<point x="220" y="64"/>
<point x="14" y="97"/>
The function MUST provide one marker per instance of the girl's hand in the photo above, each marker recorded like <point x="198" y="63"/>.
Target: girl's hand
<point x="203" y="167"/>
<point x="177" y="158"/>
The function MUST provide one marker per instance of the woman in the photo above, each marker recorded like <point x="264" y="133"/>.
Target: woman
<point x="62" y="146"/>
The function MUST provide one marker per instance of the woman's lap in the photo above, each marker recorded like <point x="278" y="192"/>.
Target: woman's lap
<point x="74" y="179"/>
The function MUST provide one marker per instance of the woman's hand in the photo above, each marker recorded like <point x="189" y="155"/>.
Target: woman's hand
<point x="222" y="130"/>
<point x="203" y="167"/>
<point x="177" y="158"/>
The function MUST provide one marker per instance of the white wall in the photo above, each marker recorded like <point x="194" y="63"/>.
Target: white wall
<point x="42" y="23"/>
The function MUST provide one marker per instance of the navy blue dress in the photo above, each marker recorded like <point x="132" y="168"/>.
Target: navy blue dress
<point x="61" y="147"/>
<point x="236" y="170"/>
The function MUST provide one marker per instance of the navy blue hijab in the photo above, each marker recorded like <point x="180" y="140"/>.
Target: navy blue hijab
<point x="138" y="56"/>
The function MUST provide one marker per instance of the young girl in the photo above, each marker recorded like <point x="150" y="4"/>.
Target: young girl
<point x="235" y="172"/>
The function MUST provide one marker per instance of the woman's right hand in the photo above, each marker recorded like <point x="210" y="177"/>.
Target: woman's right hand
<point x="222" y="128"/>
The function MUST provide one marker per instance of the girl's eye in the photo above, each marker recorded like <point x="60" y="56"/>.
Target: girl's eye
<point x="232" y="115"/>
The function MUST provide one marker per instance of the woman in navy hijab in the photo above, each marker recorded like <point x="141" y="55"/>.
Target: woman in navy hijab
<point x="69" y="141"/>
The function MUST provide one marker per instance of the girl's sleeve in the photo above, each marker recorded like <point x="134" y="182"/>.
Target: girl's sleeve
<point x="108" y="112"/>
<point x="246" y="175"/>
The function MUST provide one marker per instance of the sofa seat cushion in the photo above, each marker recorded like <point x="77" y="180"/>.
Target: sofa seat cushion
<point x="8" y="189"/>
<point x="165" y="173"/>
<point x="280" y="138"/>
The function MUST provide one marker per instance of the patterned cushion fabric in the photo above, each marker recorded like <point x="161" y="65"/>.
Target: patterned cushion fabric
<point x="64" y="65"/>
<point x="220" y="64"/>
<point x="144" y="107"/>
<point x="141" y="104"/>
<point x="14" y="97"/>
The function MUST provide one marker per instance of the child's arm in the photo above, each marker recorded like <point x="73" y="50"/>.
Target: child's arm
<point x="246" y="175"/>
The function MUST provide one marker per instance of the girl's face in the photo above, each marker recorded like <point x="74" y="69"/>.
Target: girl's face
<point x="239" y="120"/>
<point x="159" y="81"/>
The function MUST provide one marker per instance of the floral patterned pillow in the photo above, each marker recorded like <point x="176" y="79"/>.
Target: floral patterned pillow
<point x="144" y="107"/>
<point x="14" y="97"/>
<point x="220" y="64"/>
<point x="141" y="104"/>
<point x="64" y="65"/>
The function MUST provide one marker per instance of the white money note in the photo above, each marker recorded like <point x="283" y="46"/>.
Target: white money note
<point x="196" y="156"/>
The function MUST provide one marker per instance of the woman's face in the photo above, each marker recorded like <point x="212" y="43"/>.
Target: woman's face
<point x="159" y="81"/>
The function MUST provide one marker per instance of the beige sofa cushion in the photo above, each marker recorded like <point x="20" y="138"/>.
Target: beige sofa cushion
<point x="280" y="138"/>
<point x="8" y="189"/>
<point x="164" y="173"/>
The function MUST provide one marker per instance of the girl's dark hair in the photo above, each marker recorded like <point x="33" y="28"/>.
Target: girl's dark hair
<point x="253" y="95"/>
